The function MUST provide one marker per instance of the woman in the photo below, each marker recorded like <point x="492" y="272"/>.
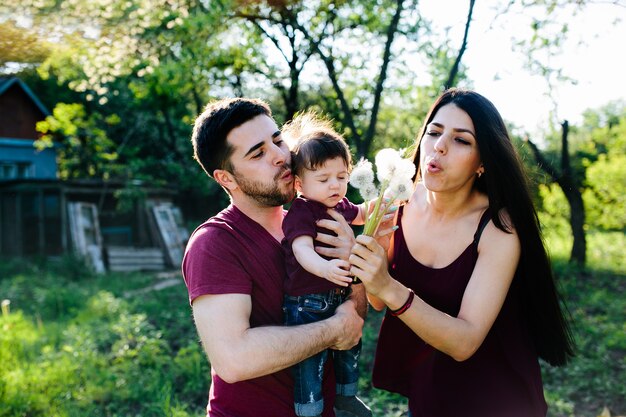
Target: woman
<point x="471" y="300"/>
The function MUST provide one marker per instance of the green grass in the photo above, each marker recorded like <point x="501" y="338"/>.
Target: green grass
<point x="596" y="377"/>
<point x="79" y="344"/>
<point x="75" y="345"/>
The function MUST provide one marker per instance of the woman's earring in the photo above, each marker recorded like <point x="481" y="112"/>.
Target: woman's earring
<point x="480" y="173"/>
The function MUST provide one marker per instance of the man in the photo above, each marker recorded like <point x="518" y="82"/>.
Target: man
<point x="234" y="268"/>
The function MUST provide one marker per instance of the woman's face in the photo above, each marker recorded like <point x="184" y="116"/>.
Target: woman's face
<point x="449" y="156"/>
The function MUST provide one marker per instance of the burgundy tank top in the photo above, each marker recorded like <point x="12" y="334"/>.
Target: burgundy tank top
<point x="502" y="378"/>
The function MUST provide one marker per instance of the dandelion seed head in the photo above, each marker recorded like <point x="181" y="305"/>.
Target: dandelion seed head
<point x="400" y="190"/>
<point x="369" y="192"/>
<point x="387" y="161"/>
<point x="362" y="175"/>
<point x="405" y="170"/>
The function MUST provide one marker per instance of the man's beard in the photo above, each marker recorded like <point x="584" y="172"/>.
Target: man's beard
<point x="269" y="195"/>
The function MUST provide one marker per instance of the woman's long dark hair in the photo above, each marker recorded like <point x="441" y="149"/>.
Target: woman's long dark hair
<point x="506" y="185"/>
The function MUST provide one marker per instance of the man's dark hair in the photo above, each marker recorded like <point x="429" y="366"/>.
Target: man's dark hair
<point x="210" y="129"/>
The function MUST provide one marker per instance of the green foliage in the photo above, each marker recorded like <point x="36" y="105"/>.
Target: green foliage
<point x="140" y="71"/>
<point x="21" y="45"/>
<point x="604" y="195"/>
<point x="604" y="248"/>
<point x="593" y="379"/>
<point x="605" y="200"/>
<point x="554" y="215"/>
<point x="601" y="159"/>
<point x="83" y="147"/>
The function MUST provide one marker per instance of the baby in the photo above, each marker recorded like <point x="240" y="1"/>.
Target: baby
<point x="315" y="286"/>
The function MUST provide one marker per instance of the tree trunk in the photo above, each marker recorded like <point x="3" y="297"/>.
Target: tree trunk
<point x="577" y="222"/>
<point x="570" y="188"/>
<point x="566" y="180"/>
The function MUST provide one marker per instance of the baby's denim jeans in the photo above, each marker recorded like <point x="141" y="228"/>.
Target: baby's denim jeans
<point x="308" y="374"/>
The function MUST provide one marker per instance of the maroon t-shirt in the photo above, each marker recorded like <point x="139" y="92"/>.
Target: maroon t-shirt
<point x="231" y="253"/>
<point x="301" y="221"/>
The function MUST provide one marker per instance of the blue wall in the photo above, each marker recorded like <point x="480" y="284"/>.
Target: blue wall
<point x="43" y="162"/>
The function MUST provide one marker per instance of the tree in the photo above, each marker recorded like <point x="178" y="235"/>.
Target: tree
<point x="20" y="45"/>
<point x="595" y="182"/>
<point x="83" y="147"/>
<point x="149" y="64"/>
<point x="153" y="64"/>
<point x="605" y="191"/>
<point x="549" y="34"/>
<point x="324" y="28"/>
<point x="571" y="186"/>
<point x="277" y="24"/>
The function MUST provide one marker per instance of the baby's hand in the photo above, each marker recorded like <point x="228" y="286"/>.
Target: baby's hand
<point x="336" y="271"/>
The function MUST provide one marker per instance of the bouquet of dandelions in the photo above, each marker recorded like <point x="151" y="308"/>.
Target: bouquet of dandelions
<point x="394" y="175"/>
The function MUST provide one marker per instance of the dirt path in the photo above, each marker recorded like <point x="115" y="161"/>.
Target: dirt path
<point x="166" y="279"/>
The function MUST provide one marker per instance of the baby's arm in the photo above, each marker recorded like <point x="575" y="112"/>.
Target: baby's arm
<point x="359" y="220"/>
<point x="335" y="270"/>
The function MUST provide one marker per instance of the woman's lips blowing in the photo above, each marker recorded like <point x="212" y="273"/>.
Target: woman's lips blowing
<point x="433" y="167"/>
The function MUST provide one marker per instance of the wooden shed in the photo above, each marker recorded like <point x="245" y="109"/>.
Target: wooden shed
<point x="20" y="110"/>
<point x="114" y="225"/>
<point x="98" y="220"/>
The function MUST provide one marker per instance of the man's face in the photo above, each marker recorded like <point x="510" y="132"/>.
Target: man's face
<point x="261" y="162"/>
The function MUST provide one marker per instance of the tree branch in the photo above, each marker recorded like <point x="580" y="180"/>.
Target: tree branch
<point x="457" y="62"/>
<point x="371" y="129"/>
<point x="543" y="162"/>
<point x="566" y="168"/>
<point x="332" y="74"/>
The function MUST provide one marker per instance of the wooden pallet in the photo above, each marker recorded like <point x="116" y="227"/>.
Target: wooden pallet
<point x="128" y="258"/>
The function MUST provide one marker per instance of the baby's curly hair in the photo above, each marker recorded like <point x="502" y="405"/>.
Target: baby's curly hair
<point x="313" y="142"/>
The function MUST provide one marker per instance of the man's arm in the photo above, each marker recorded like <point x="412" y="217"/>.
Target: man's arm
<point x="359" y="296"/>
<point x="238" y="352"/>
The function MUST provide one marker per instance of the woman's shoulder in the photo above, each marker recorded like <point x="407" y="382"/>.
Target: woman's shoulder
<point x="497" y="240"/>
<point x="503" y="218"/>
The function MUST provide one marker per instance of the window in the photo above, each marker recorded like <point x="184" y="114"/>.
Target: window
<point x="13" y="170"/>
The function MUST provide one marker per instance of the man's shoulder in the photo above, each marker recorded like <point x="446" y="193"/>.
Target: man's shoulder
<point x="224" y="220"/>
<point x="216" y="228"/>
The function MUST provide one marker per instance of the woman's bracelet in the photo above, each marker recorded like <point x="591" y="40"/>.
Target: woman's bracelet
<point x="405" y="306"/>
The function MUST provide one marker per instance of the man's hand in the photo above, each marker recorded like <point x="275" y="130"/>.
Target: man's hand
<point x="349" y="326"/>
<point x="342" y="243"/>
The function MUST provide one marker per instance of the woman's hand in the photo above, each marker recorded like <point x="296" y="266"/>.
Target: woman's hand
<point x="369" y="264"/>
<point x="387" y="226"/>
